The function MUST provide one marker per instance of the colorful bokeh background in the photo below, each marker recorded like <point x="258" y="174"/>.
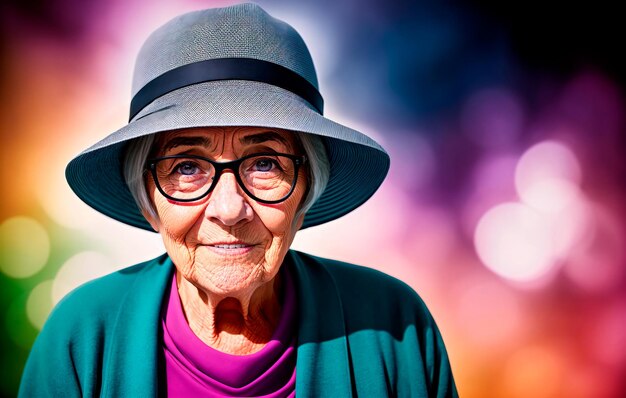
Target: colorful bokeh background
<point x="505" y="203"/>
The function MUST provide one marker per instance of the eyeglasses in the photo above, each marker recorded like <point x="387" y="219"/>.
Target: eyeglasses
<point x="265" y="177"/>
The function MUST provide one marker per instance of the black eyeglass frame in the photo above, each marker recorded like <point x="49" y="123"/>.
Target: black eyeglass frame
<point x="298" y="160"/>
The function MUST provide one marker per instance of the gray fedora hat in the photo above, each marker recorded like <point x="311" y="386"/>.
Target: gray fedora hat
<point x="233" y="66"/>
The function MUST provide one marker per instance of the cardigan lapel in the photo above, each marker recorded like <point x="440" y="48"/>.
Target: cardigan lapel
<point x="323" y="363"/>
<point x="133" y="353"/>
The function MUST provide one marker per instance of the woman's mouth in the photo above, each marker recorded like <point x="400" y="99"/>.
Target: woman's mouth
<point x="230" y="248"/>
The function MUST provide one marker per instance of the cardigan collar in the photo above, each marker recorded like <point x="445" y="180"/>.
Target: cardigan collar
<point x="322" y="348"/>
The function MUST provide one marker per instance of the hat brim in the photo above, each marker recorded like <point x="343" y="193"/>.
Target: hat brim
<point x="358" y="165"/>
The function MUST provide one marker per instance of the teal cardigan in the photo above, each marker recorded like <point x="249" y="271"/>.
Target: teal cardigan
<point x="360" y="333"/>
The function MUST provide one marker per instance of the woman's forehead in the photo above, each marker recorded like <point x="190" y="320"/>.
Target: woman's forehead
<point x="217" y="137"/>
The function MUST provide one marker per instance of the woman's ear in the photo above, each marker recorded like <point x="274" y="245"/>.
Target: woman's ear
<point x="152" y="219"/>
<point x="298" y="222"/>
<point x="149" y="213"/>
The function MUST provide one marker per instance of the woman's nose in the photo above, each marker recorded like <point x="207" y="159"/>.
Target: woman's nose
<point x="227" y="203"/>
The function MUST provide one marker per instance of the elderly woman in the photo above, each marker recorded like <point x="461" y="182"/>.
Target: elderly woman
<point x="227" y="155"/>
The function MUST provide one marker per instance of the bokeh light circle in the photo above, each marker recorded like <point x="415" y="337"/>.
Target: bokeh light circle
<point x="547" y="160"/>
<point x="550" y="196"/>
<point x="39" y="304"/>
<point x="514" y="241"/>
<point x="563" y="206"/>
<point x="79" y="269"/>
<point x="25" y="247"/>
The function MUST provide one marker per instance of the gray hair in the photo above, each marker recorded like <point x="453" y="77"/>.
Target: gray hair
<point x="138" y="150"/>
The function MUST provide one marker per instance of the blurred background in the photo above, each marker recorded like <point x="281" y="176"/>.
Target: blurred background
<point x="505" y="203"/>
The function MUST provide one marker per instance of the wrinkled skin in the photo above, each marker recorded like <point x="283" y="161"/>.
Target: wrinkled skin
<point x="229" y="295"/>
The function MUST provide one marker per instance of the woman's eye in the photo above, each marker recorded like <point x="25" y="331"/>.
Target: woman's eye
<point x="264" y="165"/>
<point x="187" y="168"/>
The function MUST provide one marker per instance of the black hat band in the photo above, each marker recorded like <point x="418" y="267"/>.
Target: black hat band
<point x="226" y="69"/>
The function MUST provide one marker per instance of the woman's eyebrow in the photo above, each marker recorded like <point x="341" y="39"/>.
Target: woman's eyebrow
<point x="187" y="141"/>
<point x="263" y="137"/>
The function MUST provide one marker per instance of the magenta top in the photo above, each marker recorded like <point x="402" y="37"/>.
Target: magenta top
<point x="195" y="369"/>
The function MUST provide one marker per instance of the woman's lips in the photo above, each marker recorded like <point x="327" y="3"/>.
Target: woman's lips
<point x="239" y="246"/>
<point x="230" y="248"/>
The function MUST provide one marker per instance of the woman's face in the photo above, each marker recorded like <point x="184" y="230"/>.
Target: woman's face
<point x="227" y="243"/>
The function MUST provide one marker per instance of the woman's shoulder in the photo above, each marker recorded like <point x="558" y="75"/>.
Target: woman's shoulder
<point x="391" y="337"/>
<point x="361" y="285"/>
<point x="106" y="316"/>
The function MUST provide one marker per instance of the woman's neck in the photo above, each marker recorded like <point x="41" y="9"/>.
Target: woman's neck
<point x="237" y="325"/>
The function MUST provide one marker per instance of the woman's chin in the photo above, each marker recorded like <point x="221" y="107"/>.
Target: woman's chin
<point x="228" y="278"/>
